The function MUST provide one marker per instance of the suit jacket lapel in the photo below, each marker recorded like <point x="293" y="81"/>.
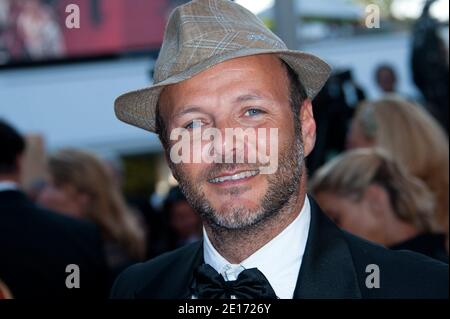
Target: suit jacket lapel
<point x="327" y="269"/>
<point x="196" y="261"/>
<point x="177" y="280"/>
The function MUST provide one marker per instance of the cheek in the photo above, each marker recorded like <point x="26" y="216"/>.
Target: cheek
<point x="192" y="174"/>
<point x="285" y="141"/>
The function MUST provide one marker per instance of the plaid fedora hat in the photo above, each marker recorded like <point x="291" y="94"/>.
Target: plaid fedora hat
<point x="203" y="33"/>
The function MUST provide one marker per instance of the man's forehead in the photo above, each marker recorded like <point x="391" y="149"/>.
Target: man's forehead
<point x="264" y="65"/>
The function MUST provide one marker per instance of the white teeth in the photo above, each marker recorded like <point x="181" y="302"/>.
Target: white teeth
<point x="234" y="177"/>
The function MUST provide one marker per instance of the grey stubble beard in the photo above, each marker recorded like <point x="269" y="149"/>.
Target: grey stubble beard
<point x="280" y="197"/>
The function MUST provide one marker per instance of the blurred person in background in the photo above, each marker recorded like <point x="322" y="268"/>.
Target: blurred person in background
<point x="36" y="245"/>
<point x="140" y="206"/>
<point x="368" y="194"/>
<point x="386" y="79"/>
<point x="429" y="64"/>
<point x="413" y="138"/>
<point x="184" y="223"/>
<point x="81" y="186"/>
<point x="334" y="107"/>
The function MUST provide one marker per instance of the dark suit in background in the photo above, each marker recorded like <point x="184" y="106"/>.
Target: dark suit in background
<point x="431" y="245"/>
<point x="36" y="245"/>
<point x="334" y="266"/>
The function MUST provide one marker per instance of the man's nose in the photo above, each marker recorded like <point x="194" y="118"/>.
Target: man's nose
<point x="225" y="146"/>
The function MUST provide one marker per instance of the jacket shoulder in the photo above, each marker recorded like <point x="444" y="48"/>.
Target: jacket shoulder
<point x="402" y="274"/>
<point x="57" y="241"/>
<point x="155" y="273"/>
<point x="17" y="208"/>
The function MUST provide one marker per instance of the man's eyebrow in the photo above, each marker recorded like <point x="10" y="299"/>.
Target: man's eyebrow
<point x="242" y="98"/>
<point x="249" y="97"/>
<point x="188" y="109"/>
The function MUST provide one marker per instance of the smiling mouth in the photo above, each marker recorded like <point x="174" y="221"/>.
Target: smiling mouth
<point x="234" y="177"/>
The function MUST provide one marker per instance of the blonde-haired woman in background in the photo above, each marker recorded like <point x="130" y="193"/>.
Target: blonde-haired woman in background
<point x="81" y="186"/>
<point x="368" y="194"/>
<point x="413" y="138"/>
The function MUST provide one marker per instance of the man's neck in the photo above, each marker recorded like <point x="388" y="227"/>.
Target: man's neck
<point x="237" y="245"/>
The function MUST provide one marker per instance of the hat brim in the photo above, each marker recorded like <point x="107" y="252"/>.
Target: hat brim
<point x="138" y="107"/>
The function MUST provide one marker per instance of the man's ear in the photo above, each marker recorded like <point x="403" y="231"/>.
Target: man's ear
<point x="308" y="125"/>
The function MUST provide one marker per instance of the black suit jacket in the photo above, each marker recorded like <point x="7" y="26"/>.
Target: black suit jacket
<point x="36" y="245"/>
<point x="333" y="266"/>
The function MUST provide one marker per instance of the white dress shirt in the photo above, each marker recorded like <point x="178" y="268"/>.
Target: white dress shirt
<point x="8" y="186"/>
<point x="279" y="260"/>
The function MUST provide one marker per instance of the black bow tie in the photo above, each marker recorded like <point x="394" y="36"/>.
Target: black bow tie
<point x="250" y="284"/>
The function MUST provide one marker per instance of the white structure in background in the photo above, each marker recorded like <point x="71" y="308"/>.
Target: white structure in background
<point x="323" y="8"/>
<point x="364" y="53"/>
<point x="343" y="10"/>
<point x="72" y="105"/>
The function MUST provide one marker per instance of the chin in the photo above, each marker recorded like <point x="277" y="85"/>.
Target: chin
<point x="246" y="208"/>
<point x="241" y="205"/>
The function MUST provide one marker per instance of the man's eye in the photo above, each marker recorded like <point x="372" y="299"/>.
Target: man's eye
<point x="253" y="112"/>
<point x="194" y="124"/>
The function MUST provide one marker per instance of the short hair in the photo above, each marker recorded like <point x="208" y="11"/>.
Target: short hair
<point x="12" y="145"/>
<point x="86" y="173"/>
<point x="297" y="95"/>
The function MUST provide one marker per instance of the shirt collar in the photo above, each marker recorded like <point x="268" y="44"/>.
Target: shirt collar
<point x="272" y="259"/>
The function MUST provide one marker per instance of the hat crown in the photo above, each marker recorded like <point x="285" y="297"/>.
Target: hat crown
<point x="202" y="29"/>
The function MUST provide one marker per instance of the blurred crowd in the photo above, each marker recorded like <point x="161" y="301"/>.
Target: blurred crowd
<point x="78" y="216"/>
<point x="391" y="186"/>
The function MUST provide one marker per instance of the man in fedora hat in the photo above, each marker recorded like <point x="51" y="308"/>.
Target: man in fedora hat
<point x="221" y="69"/>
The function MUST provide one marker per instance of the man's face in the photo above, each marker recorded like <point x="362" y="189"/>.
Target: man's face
<point x="250" y="92"/>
